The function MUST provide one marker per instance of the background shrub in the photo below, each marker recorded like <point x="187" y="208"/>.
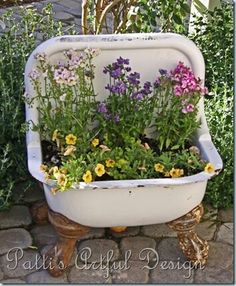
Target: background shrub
<point x="214" y="37"/>
<point x="18" y="40"/>
<point x="161" y="15"/>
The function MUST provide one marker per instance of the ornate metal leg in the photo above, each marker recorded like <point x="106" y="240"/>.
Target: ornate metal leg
<point x="194" y="248"/>
<point x="39" y="212"/>
<point x="58" y="258"/>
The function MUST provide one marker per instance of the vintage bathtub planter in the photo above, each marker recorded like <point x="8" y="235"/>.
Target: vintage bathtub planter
<point x="126" y="202"/>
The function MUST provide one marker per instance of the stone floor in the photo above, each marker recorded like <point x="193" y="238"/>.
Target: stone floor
<point x="67" y="11"/>
<point x="23" y="243"/>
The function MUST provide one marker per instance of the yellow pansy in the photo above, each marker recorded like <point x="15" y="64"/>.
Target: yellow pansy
<point x="209" y="168"/>
<point x="61" y="180"/>
<point x="95" y="142"/>
<point x="110" y="163"/>
<point x="175" y="173"/>
<point x="167" y="174"/>
<point x="63" y="170"/>
<point x="43" y="168"/>
<point x="87" y="177"/>
<point x="159" y="168"/>
<point x="70" y="150"/>
<point x="71" y="139"/>
<point x="100" y="170"/>
<point x="56" y="135"/>
<point x="54" y="191"/>
<point x="54" y="171"/>
<point x="104" y="148"/>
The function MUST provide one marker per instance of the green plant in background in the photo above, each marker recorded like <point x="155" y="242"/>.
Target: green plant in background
<point x="135" y="16"/>
<point x="168" y="16"/>
<point x="18" y="40"/>
<point x="214" y="37"/>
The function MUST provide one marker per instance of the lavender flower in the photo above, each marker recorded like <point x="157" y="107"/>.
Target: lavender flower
<point x="122" y="61"/>
<point x="138" y="95"/>
<point x="117" y="118"/>
<point x="133" y="78"/>
<point x="118" y="87"/>
<point x="163" y="72"/>
<point x="116" y="73"/>
<point x="128" y="69"/>
<point x="147" y="88"/>
<point x="102" y="108"/>
<point x="156" y="83"/>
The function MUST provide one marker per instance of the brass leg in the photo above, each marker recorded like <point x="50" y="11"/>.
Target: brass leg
<point x="58" y="258"/>
<point x="193" y="247"/>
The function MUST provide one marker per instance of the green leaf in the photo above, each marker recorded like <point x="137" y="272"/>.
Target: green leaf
<point x="175" y="147"/>
<point x="200" y="6"/>
<point x="185" y="7"/>
<point x="177" y="19"/>
<point x="168" y="142"/>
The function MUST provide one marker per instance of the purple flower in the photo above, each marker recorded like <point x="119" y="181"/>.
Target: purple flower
<point x="122" y="61"/>
<point x="102" y="108"/>
<point x="106" y="70"/>
<point x="128" y="69"/>
<point x="116" y="73"/>
<point x="118" y="87"/>
<point x="163" y="72"/>
<point x="157" y="83"/>
<point x="138" y="95"/>
<point x="147" y="88"/>
<point x="116" y="118"/>
<point x="133" y="78"/>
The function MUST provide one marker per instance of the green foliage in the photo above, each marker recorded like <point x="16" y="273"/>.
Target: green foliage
<point x="214" y="36"/>
<point x="66" y="99"/>
<point x="18" y="40"/>
<point x="147" y="15"/>
<point x="134" y="161"/>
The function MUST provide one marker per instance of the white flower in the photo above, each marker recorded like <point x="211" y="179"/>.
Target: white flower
<point x="63" y="97"/>
<point x="41" y="57"/>
<point x="34" y="74"/>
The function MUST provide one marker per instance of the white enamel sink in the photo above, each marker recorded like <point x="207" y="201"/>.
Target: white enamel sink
<point x="130" y="202"/>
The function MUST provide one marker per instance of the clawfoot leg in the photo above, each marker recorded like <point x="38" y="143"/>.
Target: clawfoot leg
<point x="193" y="247"/>
<point x="39" y="212"/>
<point x="58" y="258"/>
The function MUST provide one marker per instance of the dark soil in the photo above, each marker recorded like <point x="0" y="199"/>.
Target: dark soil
<point x="8" y="3"/>
<point x="50" y="153"/>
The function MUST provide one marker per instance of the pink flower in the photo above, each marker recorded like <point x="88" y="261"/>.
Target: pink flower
<point x="65" y="76"/>
<point x="204" y="91"/>
<point x="178" y="90"/>
<point x="188" y="108"/>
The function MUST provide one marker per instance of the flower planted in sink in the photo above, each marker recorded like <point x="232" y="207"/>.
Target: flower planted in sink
<point x="139" y="131"/>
